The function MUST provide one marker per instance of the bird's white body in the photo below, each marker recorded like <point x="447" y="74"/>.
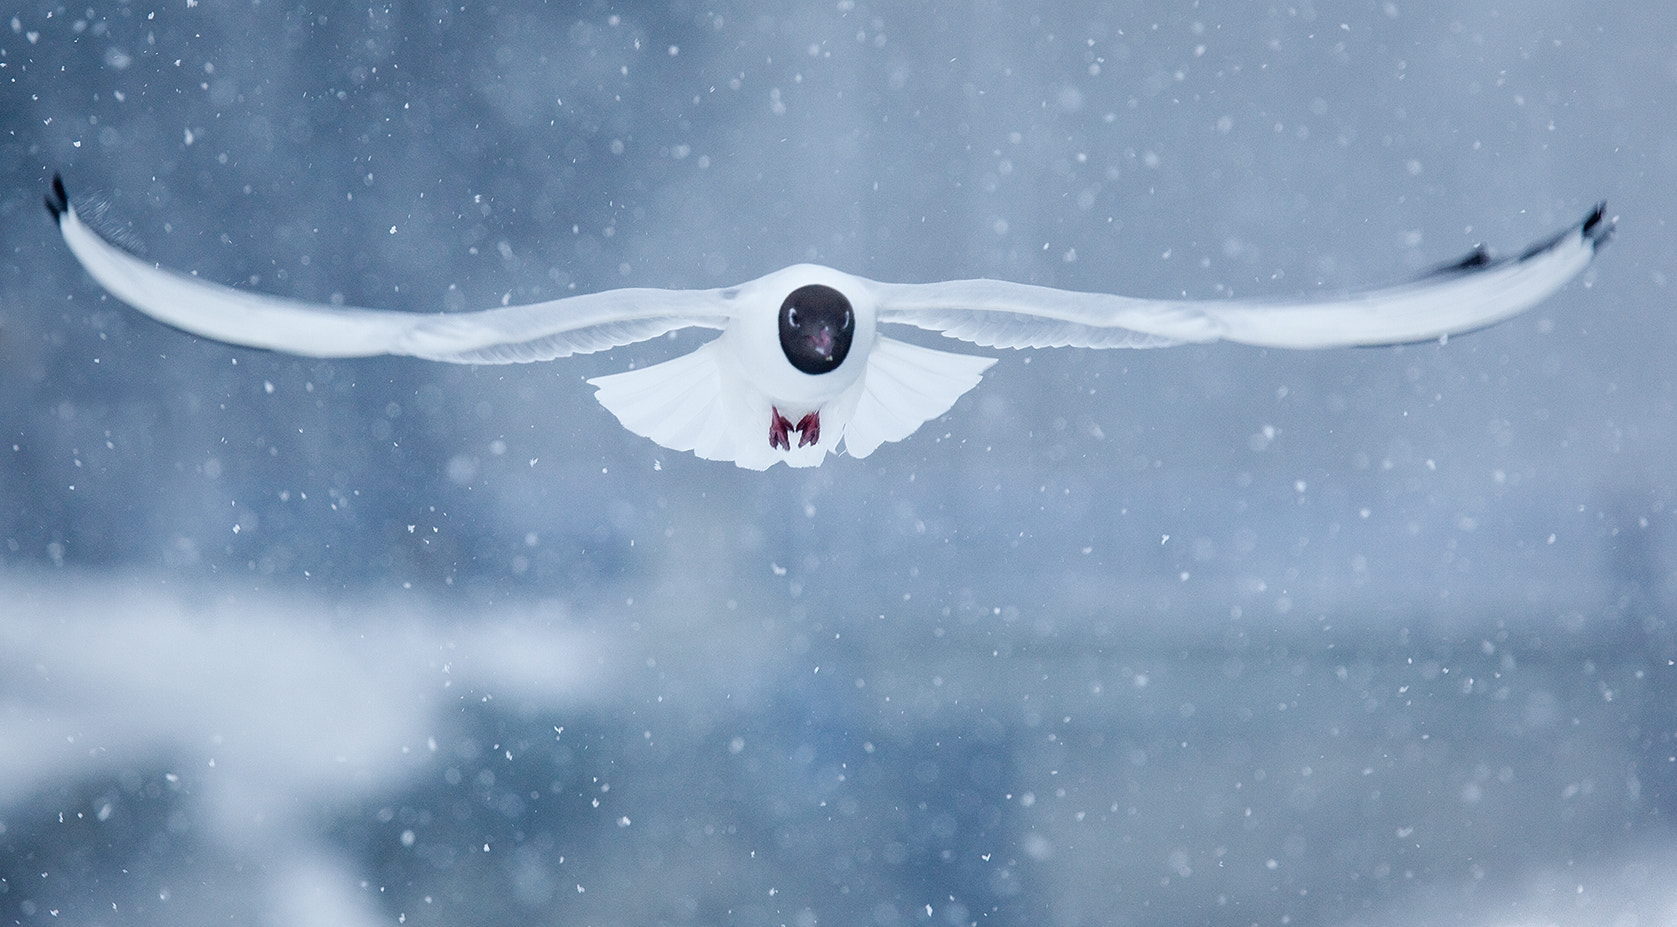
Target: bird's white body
<point x="743" y="397"/>
<point x="717" y="401"/>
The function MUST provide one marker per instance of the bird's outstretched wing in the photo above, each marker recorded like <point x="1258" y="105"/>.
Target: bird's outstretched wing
<point x="513" y="334"/>
<point x="1469" y="294"/>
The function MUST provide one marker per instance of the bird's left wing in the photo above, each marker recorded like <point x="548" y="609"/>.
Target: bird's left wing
<point x="1469" y="294"/>
<point x="512" y="334"/>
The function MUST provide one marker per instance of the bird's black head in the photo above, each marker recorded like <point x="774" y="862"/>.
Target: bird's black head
<point x="816" y="328"/>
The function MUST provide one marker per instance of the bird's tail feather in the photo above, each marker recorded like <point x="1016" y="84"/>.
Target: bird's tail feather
<point x="694" y="403"/>
<point x="904" y="387"/>
<point x="677" y="403"/>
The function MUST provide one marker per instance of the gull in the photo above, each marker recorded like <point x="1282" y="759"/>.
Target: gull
<point x="801" y="364"/>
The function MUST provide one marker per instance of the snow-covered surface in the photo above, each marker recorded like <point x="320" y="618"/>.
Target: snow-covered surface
<point x="1209" y="635"/>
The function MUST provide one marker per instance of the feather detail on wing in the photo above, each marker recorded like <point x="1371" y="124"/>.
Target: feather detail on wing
<point x="509" y="340"/>
<point x="1001" y="329"/>
<point x="904" y="387"/>
<point x="540" y="331"/>
<point x="1465" y="295"/>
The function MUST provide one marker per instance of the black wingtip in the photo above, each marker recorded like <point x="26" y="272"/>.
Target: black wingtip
<point x="57" y="201"/>
<point x="1478" y="259"/>
<point x="1597" y="227"/>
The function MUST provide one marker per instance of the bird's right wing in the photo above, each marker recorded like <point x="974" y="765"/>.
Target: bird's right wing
<point x="512" y="334"/>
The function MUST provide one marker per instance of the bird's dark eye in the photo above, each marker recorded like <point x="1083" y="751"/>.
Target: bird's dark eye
<point x="816" y="328"/>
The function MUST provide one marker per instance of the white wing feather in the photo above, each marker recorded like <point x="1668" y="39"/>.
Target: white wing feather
<point x="514" y="334"/>
<point x="1464" y="296"/>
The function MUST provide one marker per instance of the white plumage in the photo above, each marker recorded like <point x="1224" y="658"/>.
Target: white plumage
<point x="800" y="365"/>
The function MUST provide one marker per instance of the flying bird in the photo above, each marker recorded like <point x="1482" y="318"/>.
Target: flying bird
<point x="801" y="365"/>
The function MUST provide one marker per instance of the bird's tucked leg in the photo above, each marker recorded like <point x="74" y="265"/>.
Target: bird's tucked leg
<point x="779" y="427"/>
<point x="809" y="429"/>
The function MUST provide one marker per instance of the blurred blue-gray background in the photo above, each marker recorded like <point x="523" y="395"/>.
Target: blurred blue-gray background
<point x="1206" y="635"/>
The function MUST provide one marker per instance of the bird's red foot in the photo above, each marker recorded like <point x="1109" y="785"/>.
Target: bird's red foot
<point x="778" y="429"/>
<point x="781" y="428"/>
<point x="809" y="429"/>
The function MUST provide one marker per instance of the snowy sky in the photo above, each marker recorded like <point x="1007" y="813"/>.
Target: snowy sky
<point x="1079" y="522"/>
